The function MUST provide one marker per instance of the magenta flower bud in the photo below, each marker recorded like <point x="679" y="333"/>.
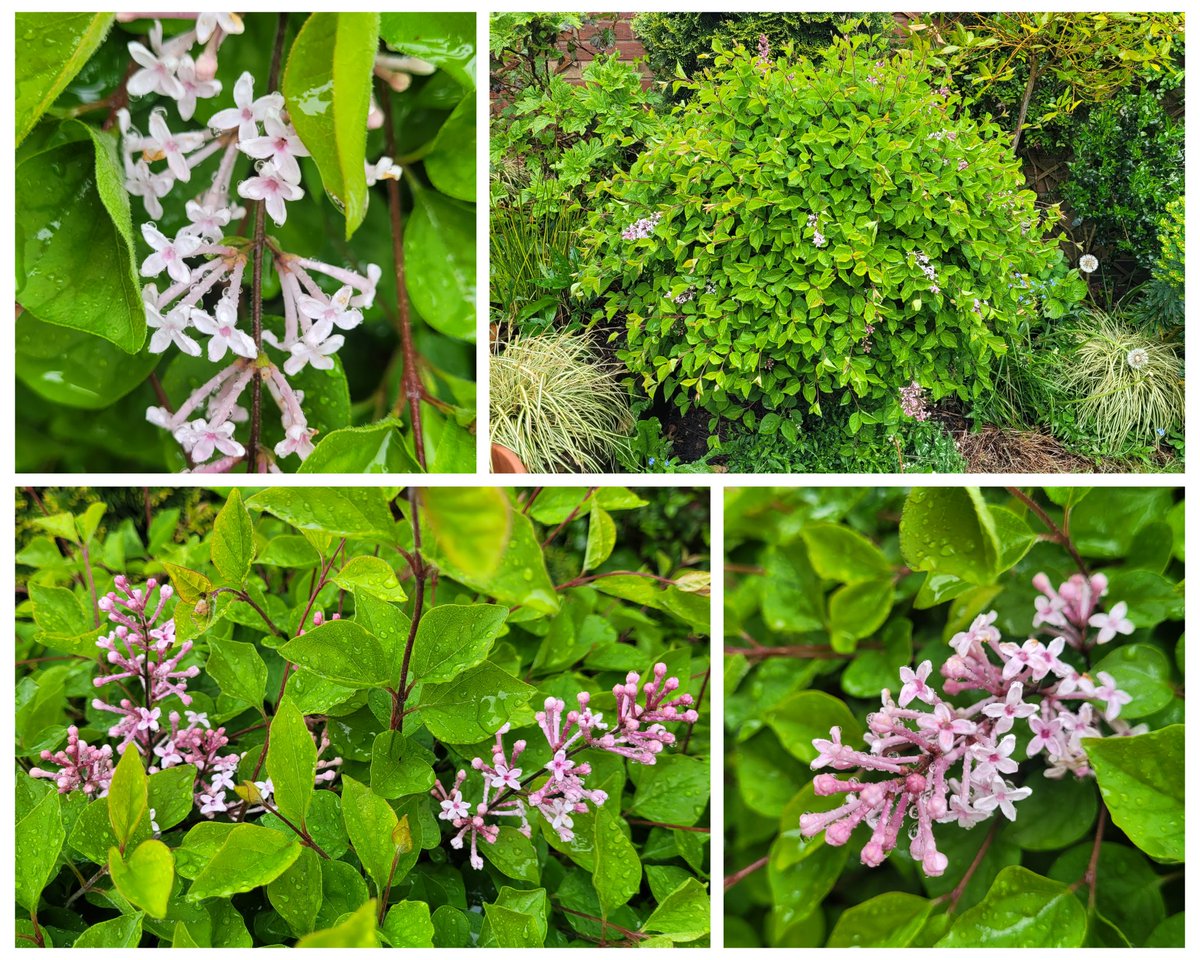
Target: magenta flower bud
<point x="836" y="834"/>
<point x="914" y="783"/>
<point x="825" y="784"/>
<point x="873" y="853"/>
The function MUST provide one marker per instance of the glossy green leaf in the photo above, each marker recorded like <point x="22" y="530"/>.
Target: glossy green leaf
<point x="1021" y="909"/>
<point x="341" y="511"/>
<point x="602" y="537"/>
<point x="1169" y="933"/>
<point x="145" y="876"/>
<point x="1140" y="783"/>
<point x="189" y="585"/>
<point x="250" y="857"/>
<point x="949" y="530"/>
<point x="127" y="796"/>
<point x="839" y="553"/>
<point x="408" y="924"/>
<point x="341" y="651"/>
<point x="617" y="869"/>
<point x="473" y="706"/>
<point x="356" y="931"/>
<point x="446" y="39"/>
<point x="439" y="244"/>
<point x="370" y="575"/>
<point x="291" y="762"/>
<point x="296" y="894"/>
<point x="238" y="670"/>
<point x="51" y="49"/>
<point x="370" y="821"/>
<point x="683" y="915"/>
<point x="73" y="221"/>
<point x="62" y="621"/>
<point x="327" y="87"/>
<point x="454" y="637"/>
<point x="123" y="931"/>
<point x="516" y="920"/>
<point x="513" y="855"/>
<point x="1128" y="890"/>
<point x="809" y="715"/>
<point x="39" y="839"/>
<point x="450" y="165"/>
<point x="472" y="526"/>
<point x="376" y="448"/>
<point x="75" y="368"/>
<point x="857" y="610"/>
<point x="170" y="794"/>
<point x="1142" y="671"/>
<point x="1057" y="813"/>
<point x="396" y="769"/>
<point x="888" y="920"/>
<point x="232" y="542"/>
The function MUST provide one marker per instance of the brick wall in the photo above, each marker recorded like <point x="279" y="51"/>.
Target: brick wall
<point x="628" y="47"/>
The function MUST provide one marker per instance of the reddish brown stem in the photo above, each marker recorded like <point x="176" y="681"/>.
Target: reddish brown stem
<point x="736" y="878"/>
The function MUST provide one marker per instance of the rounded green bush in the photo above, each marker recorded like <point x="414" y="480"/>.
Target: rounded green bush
<point x="817" y="232"/>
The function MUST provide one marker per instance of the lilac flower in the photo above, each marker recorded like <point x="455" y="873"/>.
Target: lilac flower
<point x="208" y="220"/>
<point x="200" y="439"/>
<point x="281" y="146"/>
<point x="641" y="229"/>
<point x="171" y="329"/>
<point x="1011" y="708"/>
<point x="208" y="23"/>
<point x="193" y="87"/>
<point x="637" y="734"/>
<point x="140" y="181"/>
<point x="315" y="348"/>
<point x="174" y="147"/>
<point x="335" y="309"/>
<point x="385" y="168"/>
<point x="912" y="401"/>
<point x="168" y="255"/>
<point x="915" y="686"/>
<point x="273" y="189"/>
<point x="247" y="113"/>
<point x="223" y="333"/>
<point x="1111" y="623"/>
<point x="157" y="73"/>
<point x="80" y="767"/>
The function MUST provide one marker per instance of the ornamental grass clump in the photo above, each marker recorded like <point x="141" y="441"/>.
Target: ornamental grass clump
<point x="556" y="405"/>
<point x="1126" y="380"/>
<point x="808" y="233"/>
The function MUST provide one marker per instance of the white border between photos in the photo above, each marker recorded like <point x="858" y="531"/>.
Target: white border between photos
<point x="716" y="483"/>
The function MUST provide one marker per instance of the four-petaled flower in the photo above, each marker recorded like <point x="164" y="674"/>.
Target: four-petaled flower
<point x="454" y="807"/>
<point x="314" y="348"/>
<point x="273" y="189"/>
<point x="168" y="254"/>
<point x="201" y="440"/>
<point x="560" y="766"/>
<point x="173" y="147"/>
<point x="946" y="724"/>
<point x="507" y="777"/>
<point x="336" y="309"/>
<point x="280" y="145"/>
<point x="223" y="332"/>
<point x="1112" y="623"/>
<point x="1045" y="735"/>
<point x="171" y="328"/>
<point x="1011" y="708"/>
<point x="248" y="113"/>
<point x="915" y="686"/>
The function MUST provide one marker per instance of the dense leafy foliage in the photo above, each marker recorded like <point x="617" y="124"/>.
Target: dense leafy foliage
<point x="684" y="41"/>
<point x="890" y="242"/>
<point x="82" y="335"/>
<point x="831" y="593"/>
<point x="345" y="652"/>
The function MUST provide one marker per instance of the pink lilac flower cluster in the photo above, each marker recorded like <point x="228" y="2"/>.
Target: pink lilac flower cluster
<point x="948" y="764"/>
<point x="204" y="273"/>
<point x="764" y="50"/>
<point x="144" y="655"/>
<point x="641" y="229"/>
<point x="912" y="401"/>
<point x="637" y="734"/>
<point x="819" y="239"/>
<point x="1068" y="611"/>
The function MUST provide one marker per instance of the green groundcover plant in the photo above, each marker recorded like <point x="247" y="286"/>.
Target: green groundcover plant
<point x="955" y="717"/>
<point x="361" y="717"/>
<point x="808" y="234"/>
<point x="245" y="243"/>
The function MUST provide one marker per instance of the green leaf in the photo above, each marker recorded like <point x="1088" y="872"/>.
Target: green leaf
<point x="62" y="621"/>
<point x="75" y="368"/>
<point x="296" y="894"/>
<point x="888" y="920"/>
<point x="602" y="537"/>
<point x="857" y="610"/>
<point x="1142" y="671"/>
<point x="357" y="930"/>
<point x="473" y="706"/>
<point x="238" y="670"/>
<point x="453" y="637"/>
<point x="389" y="625"/>
<point x="250" y="857"/>
<point x="52" y="48"/>
<point x="445" y="39"/>
<point x="839" y="553"/>
<point x="171" y="794"/>
<point x="617" y="869"/>
<point x="39" y="841"/>
<point x="808" y="715"/>
<point x="683" y="914"/>
<point x="1021" y="909"/>
<point x="450" y="165"/>
<point x="376" y="448"/>
<point x="1056" y="814"/>
<point x="513" y="855"/>
<point x="1106" y="521"/>
<point x="793" y="600"/>
<point x="127" y="794"/>
<point x="145" y="877"/>
<point x="439" y="244"/>
<point x="1141" y="784"/>
<point x="1128" y="890"/>
<point x="517" y="919"/>
<point x="370" y="821"/>
<point x="674" y="790"/>
<point x="123" y="931"/>
<point x="408" y="924"/>
<point x="393" y="774"/>
<point x="520" y="580"/>
<point x="472" y="526"/>
<point x="341" y="651"/>
<point x="873" y="670"/>
<point x="373" y="576"/>
<point x="233" y="540"/>
<point x="327" y="87"/>
<point x="1169" y="933"/>
<point x="1152" y="598"/>
<point x="75" y="251"/>
<point x="341" y="511"/>
<point x="949" y="530"/>
<point x="291" y="762"/>
<point x="189" y="585"/>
